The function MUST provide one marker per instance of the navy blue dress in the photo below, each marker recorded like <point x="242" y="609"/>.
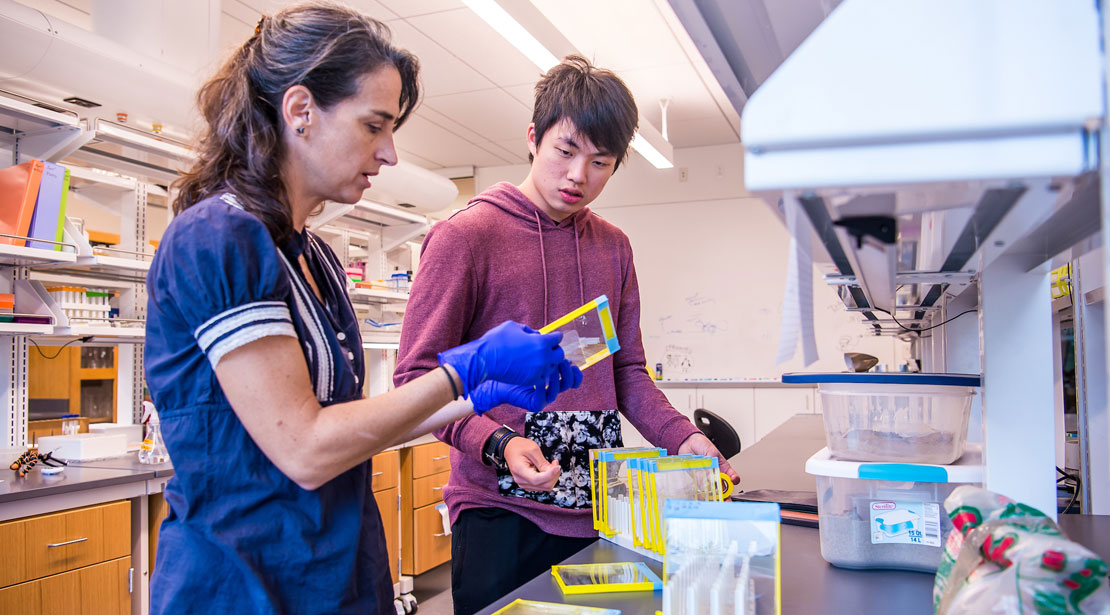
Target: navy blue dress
<point x="241" y="536"/>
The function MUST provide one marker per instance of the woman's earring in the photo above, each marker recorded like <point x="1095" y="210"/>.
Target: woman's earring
<point x="300" y="130"/>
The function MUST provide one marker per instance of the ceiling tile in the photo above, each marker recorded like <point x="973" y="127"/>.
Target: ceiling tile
<point x="411" y="8"/>
<point x="449" y="124"/>
<point x="689" y="98"/>
<point x="513" y="150"/>
<point x="246" y="12"/>
<point x="441" y="147"/>
<point x="493" y="114"/>
<point x="525" y="93"/>
<point x="704" y="131"/>
<point x="372" y="8"/>
<point x="419" y="161"/>
<point x="440" y="71"/>
<point x="618" y="35"/>
<point x="233" y="33"/>
<point x="478" y="45"/>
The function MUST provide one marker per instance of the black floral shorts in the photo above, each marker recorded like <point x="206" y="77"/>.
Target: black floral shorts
<point x="566" y="439"/>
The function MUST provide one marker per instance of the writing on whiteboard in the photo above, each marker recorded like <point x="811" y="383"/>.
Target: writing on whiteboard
<point x="677" y="359"/>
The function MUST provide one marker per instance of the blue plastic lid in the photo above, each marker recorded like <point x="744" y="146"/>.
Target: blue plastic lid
<point x="955" y="380"/>
<point x="70" y="416"/>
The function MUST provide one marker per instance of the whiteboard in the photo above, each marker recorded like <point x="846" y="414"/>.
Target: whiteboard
<point x="712" y="275"/>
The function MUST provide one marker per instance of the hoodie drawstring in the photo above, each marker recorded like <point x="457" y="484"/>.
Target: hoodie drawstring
<point x="543" y="266"/>
<point x="578" y="259"/>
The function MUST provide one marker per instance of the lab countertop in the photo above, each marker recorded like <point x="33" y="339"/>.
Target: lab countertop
<point x="809" y="584"/>
<point x="79" y="476"/>
<point x="731" y="384"/>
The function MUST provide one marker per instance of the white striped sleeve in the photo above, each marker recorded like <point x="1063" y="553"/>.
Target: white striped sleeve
<point x="241" y="325"/>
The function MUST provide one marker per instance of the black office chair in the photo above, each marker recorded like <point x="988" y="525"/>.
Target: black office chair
<point x="719" y="432"/>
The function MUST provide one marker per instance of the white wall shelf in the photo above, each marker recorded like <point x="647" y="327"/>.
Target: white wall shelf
<point x="21" y="256"/>
<point x="22" y="328"/>
<point x="100" y="332"/>
<point x="373" y="295"/>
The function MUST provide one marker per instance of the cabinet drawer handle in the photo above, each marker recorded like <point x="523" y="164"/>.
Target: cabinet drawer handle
<point x="438" y="458"/>
<point x="439" y="535"/>
<point x="376" y="474"/>
<point x="68" y="542"/>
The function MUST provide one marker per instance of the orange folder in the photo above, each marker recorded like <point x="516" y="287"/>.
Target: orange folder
<point x="19" y="188"/>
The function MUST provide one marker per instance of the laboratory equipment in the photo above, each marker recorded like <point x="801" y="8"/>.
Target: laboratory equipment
<point x="894" y="416"/>
<point x="722" y="558"/>
<point x="677" y="477"/>
<point x="153" y="449"/>
<point x="605" y="578"/>
<point x="887" y="515"/>
<point x="521" y="606"/>
<point x="588" y="333"/>
<point x="71" y="424"/>
<point x="609" y="488"/>
<point x="84" y="446"/>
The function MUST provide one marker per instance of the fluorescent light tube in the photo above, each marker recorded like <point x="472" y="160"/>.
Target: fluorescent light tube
<point x="648" y="151"/>
<point x="380" y="346"/>
<point x="506" y="26"/>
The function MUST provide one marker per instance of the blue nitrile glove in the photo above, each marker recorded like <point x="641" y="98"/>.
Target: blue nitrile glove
<point x="510" y="352"/>
<point x="493" y="393"/>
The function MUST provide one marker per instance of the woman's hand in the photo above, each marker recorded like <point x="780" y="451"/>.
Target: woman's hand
<point x="492" y="393"/>
<point x="510" y="352"/>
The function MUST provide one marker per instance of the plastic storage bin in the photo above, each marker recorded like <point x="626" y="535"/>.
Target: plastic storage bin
<point x="887" y="515"/>
<point x="898" y="417"/>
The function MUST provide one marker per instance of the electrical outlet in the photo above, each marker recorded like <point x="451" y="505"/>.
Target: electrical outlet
<point x="683" y="174"/>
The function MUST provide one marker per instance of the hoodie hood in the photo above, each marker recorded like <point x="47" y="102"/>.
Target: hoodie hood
<point x="510" y="199"/>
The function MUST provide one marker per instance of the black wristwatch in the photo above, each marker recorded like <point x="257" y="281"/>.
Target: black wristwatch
<point x="494" y="451"/>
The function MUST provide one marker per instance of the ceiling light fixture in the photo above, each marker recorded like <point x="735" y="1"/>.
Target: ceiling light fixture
<point x="653" y="146"/>
<point x="648" y="151"/>
<point x="506" y="26"/>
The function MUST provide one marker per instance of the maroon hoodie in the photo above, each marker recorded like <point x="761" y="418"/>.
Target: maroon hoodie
<point x="502" y="258"/>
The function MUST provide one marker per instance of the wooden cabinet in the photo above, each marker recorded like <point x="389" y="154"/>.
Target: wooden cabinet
<point x="158" y="509"/>
<point x="425" y="470"/>
<point x="77" y="380"/>
<point x="74" y="561"/>
<point x="384" y="483"/>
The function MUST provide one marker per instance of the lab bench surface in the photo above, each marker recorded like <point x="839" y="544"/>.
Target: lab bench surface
<point x="74" y="478"/>
<point x="809" y="584"/>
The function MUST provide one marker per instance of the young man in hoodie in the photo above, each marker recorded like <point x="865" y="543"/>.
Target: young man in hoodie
<point x="519" y="492"/>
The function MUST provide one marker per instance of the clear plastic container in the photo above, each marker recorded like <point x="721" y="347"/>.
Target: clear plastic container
<point x="895" y="416"/>
<point x="886" y="515"/>
<point x="896" y="422"/>
<point x="588" y="333"/>
<point x="71" y="424"/>
<point x="153" y="449"/>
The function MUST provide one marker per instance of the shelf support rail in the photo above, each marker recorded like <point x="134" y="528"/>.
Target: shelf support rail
<point x="814" y="207"/>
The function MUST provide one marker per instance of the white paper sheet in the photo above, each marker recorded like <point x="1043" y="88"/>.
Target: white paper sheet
<point x="797" y="302"/>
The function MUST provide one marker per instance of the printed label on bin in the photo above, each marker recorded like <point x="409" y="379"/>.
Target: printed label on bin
<point x="910" y="523"/>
